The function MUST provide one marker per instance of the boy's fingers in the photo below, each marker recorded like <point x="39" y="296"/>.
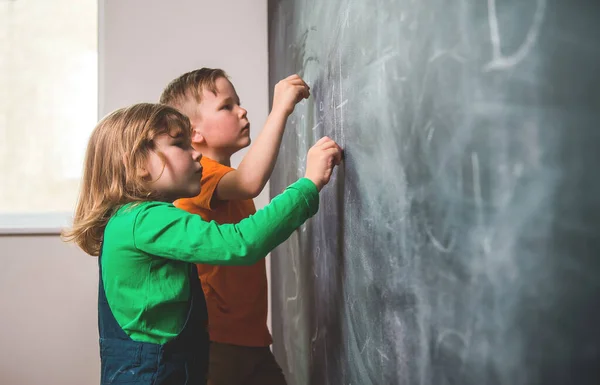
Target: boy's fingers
<point x="295" y="81"/>
<point x="302" y="90"/>
<point x="298" y="82"/>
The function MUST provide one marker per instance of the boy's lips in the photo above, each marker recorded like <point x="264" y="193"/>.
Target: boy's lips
<point x="246" y="127"/>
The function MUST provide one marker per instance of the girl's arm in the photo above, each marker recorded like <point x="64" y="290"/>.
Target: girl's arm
<point x="162" y="229"/>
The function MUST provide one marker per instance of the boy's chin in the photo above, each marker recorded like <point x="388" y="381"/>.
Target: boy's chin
<point x="246" y="139"/>
<point x="244" y="143"/>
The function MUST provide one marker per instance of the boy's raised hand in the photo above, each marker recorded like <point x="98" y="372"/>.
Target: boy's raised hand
<point x="320" y="161"/>
<point x="288" y="92"/>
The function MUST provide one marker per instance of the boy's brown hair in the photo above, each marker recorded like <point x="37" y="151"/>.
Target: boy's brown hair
<point x="189" y="86"/>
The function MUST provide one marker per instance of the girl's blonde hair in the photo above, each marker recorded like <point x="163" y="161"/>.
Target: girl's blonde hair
<point x="116" y="154"/>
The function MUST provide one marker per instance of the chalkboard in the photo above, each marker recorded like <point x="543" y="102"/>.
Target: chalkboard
<point x="459" y="242"/>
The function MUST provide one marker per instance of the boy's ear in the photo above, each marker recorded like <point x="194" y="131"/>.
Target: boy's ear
<point x="197" y="137"/>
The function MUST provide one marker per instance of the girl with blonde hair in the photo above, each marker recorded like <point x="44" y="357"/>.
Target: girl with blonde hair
<point x="151" y="308"/>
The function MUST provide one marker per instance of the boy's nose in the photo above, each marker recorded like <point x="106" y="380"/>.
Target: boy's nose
<point x="243" y="113"/>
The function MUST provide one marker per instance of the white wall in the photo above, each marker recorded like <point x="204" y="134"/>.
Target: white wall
<point x="48" y="290"/>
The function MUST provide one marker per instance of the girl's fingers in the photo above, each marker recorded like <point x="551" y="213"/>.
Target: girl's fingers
<point x="322" y="140"/>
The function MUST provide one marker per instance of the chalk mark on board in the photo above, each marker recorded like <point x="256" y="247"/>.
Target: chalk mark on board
<point x="448" y="334"/>
<point x="486" y="242"/>
<point x="314" y="338"/>
<point x="365" y="345"/>
<point x="436" y="55"/>
<point x="389" y="54"/>
<point x="345" y="23"/>
<point x="450" y="53"/>
<point x="476" y="181"/>
<point x="430" y="130"/>
<point x="341" y="93"/>
<point x="382" y="354"/>
<point x="438" y="245"/>
<point x="317" y="125"/>
<point x="297" y="277"/>
<point x="342" y="104"/>
<point x="499" y="60"/>
<point x="342" y="101"/>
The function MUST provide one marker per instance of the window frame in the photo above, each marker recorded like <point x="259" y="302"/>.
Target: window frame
<point x="52" y="223"/>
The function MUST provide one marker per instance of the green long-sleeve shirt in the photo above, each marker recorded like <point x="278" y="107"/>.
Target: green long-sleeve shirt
<point x="148" y="247"/>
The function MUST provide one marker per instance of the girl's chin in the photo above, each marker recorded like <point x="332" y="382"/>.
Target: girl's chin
<point x="190" y="193"/>
<point x="195" y="192"/>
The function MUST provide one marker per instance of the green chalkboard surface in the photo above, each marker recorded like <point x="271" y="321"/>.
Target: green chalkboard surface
<point x="459" y="242"/>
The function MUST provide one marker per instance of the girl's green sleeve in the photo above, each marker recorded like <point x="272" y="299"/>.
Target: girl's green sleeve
<point x="163" y="230"/>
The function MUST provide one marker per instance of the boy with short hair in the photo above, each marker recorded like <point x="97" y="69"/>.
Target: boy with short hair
<point x="236" y="296"/>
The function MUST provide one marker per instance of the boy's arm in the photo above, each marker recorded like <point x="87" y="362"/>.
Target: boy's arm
<point x="163" y="230"/>
<point x="257" y="165"/>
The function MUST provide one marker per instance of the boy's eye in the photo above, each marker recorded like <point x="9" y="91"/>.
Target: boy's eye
<point x="227" y="107"/>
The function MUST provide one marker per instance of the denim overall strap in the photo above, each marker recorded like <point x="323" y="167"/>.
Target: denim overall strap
<point x="191" y="346"/>
<point x="181" y="361"/>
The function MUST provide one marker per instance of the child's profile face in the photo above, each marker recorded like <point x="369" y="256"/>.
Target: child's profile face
<point x="173" y="167"/>
<point x="221" y="121"/>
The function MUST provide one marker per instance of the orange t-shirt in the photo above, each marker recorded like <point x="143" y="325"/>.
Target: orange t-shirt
<point x="236" y="296"/>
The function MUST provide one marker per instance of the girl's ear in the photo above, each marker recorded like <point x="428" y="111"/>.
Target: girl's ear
<point x="197" y="137"/>
<point x="141" y="171"/>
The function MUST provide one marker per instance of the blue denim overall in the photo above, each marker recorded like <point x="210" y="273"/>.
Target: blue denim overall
<point x="181" y="361"/>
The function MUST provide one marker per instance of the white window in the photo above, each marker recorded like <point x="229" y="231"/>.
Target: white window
<point x="48" y="107"/>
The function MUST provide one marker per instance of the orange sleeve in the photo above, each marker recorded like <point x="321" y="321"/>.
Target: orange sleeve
<point x="212" y="172"/>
